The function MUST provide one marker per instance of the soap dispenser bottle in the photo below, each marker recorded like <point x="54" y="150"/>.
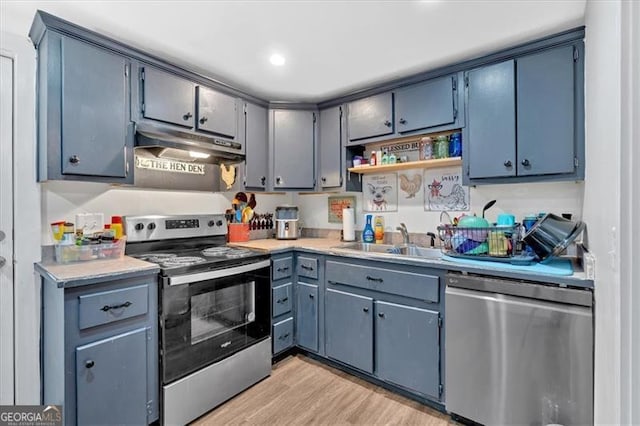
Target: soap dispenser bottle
<point x="367" y="233"/>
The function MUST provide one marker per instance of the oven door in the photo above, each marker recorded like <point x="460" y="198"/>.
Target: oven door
<point x="208" y="316"/>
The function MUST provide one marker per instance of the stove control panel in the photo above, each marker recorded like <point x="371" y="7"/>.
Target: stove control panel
<point x="150" y="228"/>
<point x="181" y="223"/>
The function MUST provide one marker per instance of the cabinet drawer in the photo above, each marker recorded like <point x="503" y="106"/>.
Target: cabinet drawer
<point x="113" y="305"/>
<point x="389" y="280"/>
<point x="307" y="267"/>
<point x="282" y="268"/>
<point x="281" y="299"/>
<point x="282" y="335"/>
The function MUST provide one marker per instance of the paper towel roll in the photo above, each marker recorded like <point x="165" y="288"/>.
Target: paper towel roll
<point x="348" y="224"/>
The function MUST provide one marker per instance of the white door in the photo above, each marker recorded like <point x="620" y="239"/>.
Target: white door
<point x="6" y="232"/>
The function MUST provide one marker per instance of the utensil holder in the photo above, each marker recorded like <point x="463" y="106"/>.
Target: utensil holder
<point x="238" y="232"/>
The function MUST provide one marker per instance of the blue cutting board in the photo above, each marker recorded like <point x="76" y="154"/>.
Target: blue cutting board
<point x="560" y="267"/>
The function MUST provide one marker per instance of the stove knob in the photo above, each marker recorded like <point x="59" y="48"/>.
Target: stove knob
<point x="219" y="223"/>
<point x="139" y="226"/>
<point x="211" y="223"/>
<point x="151" y="226"/>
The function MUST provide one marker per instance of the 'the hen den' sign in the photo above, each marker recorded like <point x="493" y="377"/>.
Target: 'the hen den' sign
<point x="169" y="166"/>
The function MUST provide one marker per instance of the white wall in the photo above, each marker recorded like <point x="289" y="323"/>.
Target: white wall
<point x="519" y="199"/>
<point x="63" y="200"/>
<point x="602" y="196"/>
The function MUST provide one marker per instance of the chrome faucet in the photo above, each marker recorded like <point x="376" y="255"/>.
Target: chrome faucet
<point x="405" y="234"/>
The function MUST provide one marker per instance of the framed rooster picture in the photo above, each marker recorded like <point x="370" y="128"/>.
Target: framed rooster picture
<point x="380" y="193"/>
<point x="443" y="190"/>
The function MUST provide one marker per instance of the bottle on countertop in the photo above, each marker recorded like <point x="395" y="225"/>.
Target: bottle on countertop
<point x="116" y="225"/>
<point x="385" y="157"/>
<point x="367" y="233"/>
<point x="372" y="159"/>
<point x="392" y="158"/>
<point x="378" y="229"/>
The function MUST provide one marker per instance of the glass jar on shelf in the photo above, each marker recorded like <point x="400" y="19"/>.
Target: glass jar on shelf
<point x="441" y="147"/>
<point x="426" y="148"/>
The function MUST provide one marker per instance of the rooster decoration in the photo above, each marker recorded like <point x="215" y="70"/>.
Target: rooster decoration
<point x="228" y="175"/>
<point x="411" y="187"/>
<point x="455" y="200"/>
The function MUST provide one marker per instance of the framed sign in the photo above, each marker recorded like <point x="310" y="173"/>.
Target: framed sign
<point x="336" y="204"/>
<point x="444" y="191"/>
<point x="380" y="193"/>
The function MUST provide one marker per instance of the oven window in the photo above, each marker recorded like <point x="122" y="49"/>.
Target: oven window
<point x="223" y="310"/>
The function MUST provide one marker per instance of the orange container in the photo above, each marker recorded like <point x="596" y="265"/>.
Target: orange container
<point x="238" y="232"/>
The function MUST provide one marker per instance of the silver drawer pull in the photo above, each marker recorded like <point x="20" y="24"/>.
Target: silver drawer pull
<point x="284" y="336"/>
<point x="107" y="308"/>
<point x="286" y="268"/>
<point x="378" y="280"/>
<point x="308" y="268"/>
<point x="282" y="300"/>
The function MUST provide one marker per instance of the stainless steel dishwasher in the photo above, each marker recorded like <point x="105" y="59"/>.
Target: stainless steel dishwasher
<point x="518" y="352"/>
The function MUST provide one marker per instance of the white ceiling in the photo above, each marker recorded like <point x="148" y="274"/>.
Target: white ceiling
<point x="330" y="46"/>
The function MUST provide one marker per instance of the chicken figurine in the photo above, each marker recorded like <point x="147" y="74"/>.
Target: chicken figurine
<point x="411" y="186"/>
<point x="228" y="175"/>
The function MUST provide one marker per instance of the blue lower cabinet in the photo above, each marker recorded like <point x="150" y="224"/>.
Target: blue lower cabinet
<point x="111" y="380"/>
<point x="282" y="335"/>
<point x="307" y="316"/>
<point x="281" y="299"/>
<point x="349" y="329"/>
<point x="407" y="347"/>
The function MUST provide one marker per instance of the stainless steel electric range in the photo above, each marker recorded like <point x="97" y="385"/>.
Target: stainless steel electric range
<point x="214" y="311"/>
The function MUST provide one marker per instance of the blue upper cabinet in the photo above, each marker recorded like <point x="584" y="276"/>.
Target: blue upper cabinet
<point x="545" y="85"/>
<point x="168" y="98"/>
<point x="217" y="113"/>
<point x="371" y="117"/>
<point x="257" y="147"/>
<point x="426" y="105"/>
<point x="525" y="118"/>
<point x="293" y="149"/>
<point x="491" y="121"/>
<point x="330" y="147"/>
<point x="95" y="110"/>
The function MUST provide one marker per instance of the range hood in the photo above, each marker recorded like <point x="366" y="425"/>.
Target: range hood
<point x="182" y="146"/>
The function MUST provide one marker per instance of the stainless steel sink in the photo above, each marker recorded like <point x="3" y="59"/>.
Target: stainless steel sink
<point x="418" y="251"/>
<point x="410" y="250"/>
<point x="367" y="247"/>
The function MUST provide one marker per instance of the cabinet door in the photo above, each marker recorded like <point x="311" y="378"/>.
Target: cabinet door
<point x="331" y="147"/>
<point x="407" y="348"/>
<point x="491" y="121"/>
<point x="257" y="147"/>
<point x="111" y="379"/>
<point x="217" y="113"/>
<point x="95" y="111"/>
<point x="545" y="88"/>
<point x="168" y="98"/>
<point x="370" y="117"/>
<point x="293" y="133"/>
<point x="307" y="316"/>
<point x="425" y="105"/>
<point x="349" y="329"/>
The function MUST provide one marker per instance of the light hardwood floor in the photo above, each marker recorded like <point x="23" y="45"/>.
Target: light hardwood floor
<point x="302" y="391"/>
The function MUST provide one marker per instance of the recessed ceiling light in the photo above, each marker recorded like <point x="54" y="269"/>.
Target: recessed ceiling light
<point x="277" y="60"/>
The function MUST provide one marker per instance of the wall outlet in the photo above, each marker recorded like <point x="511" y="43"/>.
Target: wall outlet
<point x="90" y="223"/>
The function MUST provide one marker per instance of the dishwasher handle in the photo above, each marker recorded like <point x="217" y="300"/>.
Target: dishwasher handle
<point x="526" y="289"/>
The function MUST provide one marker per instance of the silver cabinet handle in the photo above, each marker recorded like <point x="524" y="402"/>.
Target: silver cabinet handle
<point x="74" y="159"/>
<point x="402" y="121"/>
<point x="2" y="261"/>
<point x="526" y="163"/>
<point x="387" y="123"/>
<point x="508" y="163"/>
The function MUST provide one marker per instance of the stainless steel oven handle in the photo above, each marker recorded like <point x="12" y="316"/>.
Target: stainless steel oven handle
<point x="220" y="273"/>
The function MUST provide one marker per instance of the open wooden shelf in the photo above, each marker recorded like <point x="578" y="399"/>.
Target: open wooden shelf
<point x="422" y="164"/>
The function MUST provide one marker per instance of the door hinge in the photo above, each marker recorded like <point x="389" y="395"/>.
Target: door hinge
<point x="466" y="81"/>
<point x="244" y="109"/>
<point x="340" y="109"/>
<point x="142" y="108"/>
<point x="455" y="114"/>
<point x="314" y="117"/>
<point x="341" y="180"/>
<point x="576" y="54"/>
<point x="142" y="74"/>
<point x="439" y="322"/>
<point x="126" y="70"/>
<point x="149" y="334"/>
<point x="576" y="163"/>
<point x="440" y="389"/>
<point x="454" y="83"/>
<point x="149" y="407"/>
